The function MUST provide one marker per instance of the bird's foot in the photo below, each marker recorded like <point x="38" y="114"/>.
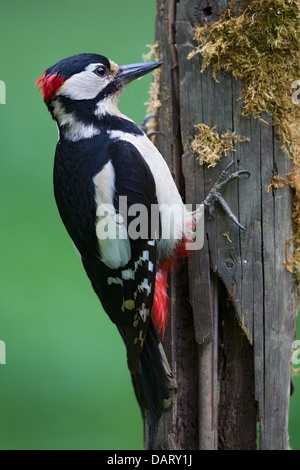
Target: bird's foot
<point x="215" y="194"/>
<point x="144" y="127"/>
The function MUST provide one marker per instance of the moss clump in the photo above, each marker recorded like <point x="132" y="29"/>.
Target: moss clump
<point x="277" y="182"/>
<point x="210" y="146"/>
<point x="259" y="45"/>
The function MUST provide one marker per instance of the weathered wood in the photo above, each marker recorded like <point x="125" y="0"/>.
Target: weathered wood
<point x="237" y="410"/>
<point x="178" y="428"/>
<point x="242" y="282"/>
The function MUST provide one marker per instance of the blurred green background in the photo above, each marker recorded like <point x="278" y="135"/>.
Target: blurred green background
<point x="66" y="383"/>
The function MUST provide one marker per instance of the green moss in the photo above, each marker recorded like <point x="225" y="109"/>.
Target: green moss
<point x="259" y="45"/>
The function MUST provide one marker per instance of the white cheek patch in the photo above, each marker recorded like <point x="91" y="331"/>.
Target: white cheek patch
<point x="115" y="251"/>
<point x="85" y="85"/>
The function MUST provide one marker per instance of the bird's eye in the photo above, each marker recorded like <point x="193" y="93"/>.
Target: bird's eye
<point x="101" y="71"/>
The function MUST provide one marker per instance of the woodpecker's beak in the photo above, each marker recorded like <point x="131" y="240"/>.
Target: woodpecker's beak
<point x="127" y="73"/>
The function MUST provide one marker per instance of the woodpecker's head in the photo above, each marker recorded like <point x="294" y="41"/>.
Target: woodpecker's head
<point x="84" y="87"/>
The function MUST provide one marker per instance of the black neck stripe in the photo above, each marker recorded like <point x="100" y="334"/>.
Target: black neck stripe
<point x="84" y="112"/>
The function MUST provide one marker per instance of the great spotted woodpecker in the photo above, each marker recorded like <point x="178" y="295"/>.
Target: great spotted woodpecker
<point x="100" y="157"/>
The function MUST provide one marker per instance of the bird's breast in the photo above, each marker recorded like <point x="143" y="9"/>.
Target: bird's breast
<point x="172" y="210"/>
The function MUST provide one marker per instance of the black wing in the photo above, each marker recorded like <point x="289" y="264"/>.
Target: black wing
<point x="126" y="293"/>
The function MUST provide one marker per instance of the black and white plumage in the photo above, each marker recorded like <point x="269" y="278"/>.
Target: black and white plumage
<point x="118" y="269"/>
<point x="102" y="155"/>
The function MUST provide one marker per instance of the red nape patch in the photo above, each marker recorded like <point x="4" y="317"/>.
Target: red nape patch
<point x="160" y="305"/>
<point x="50" y="84"/>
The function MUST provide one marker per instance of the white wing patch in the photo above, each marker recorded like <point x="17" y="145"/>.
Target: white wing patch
<point x="114" y="280"/>
<point x="128" y="274"/>
<point x="144" y="286"/>
<point x="115" y="251"/>
<point x="144" y="313"/>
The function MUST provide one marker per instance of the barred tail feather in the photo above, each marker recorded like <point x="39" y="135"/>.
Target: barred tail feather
<point x="153" y="383"/>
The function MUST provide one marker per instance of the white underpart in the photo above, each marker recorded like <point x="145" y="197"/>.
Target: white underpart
<point x="109" y="106"/>
<point x="175" y="219"/>
<point x="115" y="251"/>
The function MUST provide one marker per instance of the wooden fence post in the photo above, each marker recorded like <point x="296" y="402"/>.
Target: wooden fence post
<point x="233" y="303"/>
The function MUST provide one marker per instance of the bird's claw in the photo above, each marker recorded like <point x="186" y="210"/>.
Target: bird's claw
<point x="144" y="122"/>
<point x="144" y="127"/>
<point x="215" y="193"/>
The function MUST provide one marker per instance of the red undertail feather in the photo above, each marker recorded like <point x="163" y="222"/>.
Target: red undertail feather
<point x="181" y="251"/>
<point x="161" y="302"/>
<point x="160" y="306"/>
<point x="50" y="84"/>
